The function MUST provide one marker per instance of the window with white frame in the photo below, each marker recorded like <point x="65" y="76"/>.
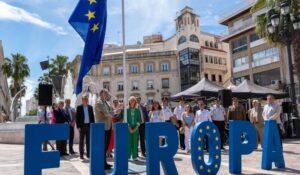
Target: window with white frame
<point x="106" y="70"/>
<point x="240" y="61"/>
<point x="150" y="84"/>
<point x="120" y="86"/>
<point x="120" y="70"/>
<point x="150" y="67"/>
<point x="135" y="85"/>
<point x="165" y="83"/>
<point x="165" y="67"/>
<point x="150" y="99"/>
<point x="134" y="69"/>
<point x="106" y="85"/>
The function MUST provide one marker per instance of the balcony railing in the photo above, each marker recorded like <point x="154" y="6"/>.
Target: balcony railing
<point x="241" y="68"/>
<point x="265" y="61"/>
<point x="247" y="23"/>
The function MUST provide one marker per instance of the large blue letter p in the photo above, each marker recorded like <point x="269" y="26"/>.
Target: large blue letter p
<point x="239" y="146"/>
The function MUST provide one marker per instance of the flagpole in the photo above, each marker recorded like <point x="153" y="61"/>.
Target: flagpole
<point x="124" y="63"/>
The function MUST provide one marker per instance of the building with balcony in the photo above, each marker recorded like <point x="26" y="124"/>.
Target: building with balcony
<point x="5" y="98"/>
<point x="251" y="56"/>
<point x="161" y="68"/>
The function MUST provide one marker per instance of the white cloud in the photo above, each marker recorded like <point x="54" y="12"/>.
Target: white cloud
<point x="12" y="13"/>
<point x="151" y="15"/>
<point x="154" y="14"/>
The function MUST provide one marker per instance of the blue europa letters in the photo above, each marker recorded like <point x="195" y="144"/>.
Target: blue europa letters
<point x="211" y="132"/>
<point x="242" y="141"/>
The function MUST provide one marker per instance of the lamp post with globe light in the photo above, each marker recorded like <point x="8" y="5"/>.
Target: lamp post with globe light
<point x="284" y="27"/>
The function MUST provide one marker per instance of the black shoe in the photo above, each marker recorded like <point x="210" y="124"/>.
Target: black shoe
<point x="81" y="157"/>
<point x="73" y="152"/>
<point x="107" y="167"/>
<point x="65" y="154"/>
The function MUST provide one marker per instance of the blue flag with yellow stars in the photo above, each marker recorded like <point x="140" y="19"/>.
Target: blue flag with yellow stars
<point x="89" y="20"/>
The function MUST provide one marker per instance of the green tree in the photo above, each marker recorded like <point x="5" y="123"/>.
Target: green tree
<point x="33" y="112"/>
<point x="58" y="65"/>
<point x="17" y="69"/>
<point x="264" y="19"/>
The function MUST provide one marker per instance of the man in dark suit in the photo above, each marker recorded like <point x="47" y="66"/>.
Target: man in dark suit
<point x="84" y="117"/>
<point x="62" y="118"/>
<point x="71" y="112"/>
<point x="144" y="119"/>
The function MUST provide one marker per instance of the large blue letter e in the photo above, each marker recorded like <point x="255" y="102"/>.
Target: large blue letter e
<point x="35" y="160"/>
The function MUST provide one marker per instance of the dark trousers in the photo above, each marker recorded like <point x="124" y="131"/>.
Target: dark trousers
<point x="142" y="138"/>
<point x="84" y="133"/>
<point x="71" y="139"/>
<point x="106" y="141"/>
<point x="181" y="136"/>
<point x="280" y="133"/>
<point x="61" y="146"/>
<point x="163" y="141"/>
<point x="221" y="127"/>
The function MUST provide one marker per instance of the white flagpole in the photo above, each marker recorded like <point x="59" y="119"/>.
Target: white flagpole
<point x="124" y="63"/>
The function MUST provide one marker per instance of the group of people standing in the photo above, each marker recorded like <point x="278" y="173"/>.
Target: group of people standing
<point x="184" y="117"/>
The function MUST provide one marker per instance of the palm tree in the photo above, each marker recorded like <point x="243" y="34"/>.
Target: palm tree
<point x="263" y="20"/>
<point x="17" y="69"/>
<point x="59" y="65"/>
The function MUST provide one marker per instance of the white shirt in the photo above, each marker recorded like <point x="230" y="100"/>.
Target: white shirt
<point x="167" y="113"/>
<point x="156" y="116"/>
<point x="86" y="115"/>
<point x="41" y="117"/>
<point x="178" y="112"/>
<point x="202" y="116"/>
<point x="272" y="110"/>
<point x="217" y="113"/>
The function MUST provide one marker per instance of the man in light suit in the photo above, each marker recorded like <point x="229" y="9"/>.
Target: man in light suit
<point x="256" y="118"/>
<point x="103" y="114"/>
<point x="72" y="114"/>
<point x="84" y="117"/>
<point x="272" y="111"/>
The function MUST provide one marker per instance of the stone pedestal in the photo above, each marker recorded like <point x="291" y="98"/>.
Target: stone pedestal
<point x="13" y="133"/>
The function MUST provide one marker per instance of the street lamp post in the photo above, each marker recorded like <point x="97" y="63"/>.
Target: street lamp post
<point x="286" y="36"/>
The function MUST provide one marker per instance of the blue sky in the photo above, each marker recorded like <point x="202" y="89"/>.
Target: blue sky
<point x="39" y="28"/>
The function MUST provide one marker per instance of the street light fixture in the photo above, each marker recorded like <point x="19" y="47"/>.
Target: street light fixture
<point x="270" y="28"/>
<point x="275" y="19"/>
<point x="285" y="8"/>
<point x="296" y="23"/>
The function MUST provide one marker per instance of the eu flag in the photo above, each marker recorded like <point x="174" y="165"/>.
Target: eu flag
<point x="89" y="20"/>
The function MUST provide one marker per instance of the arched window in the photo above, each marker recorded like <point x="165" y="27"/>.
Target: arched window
<point x="211" y="44"/>
<point x="194" y="38"/>
<point x="181" y="40"/>
<point x="206" y="43"/>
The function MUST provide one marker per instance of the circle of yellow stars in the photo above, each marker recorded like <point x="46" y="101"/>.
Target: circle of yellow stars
<point x="91" y="15"/>
<point x="200" y="148"/>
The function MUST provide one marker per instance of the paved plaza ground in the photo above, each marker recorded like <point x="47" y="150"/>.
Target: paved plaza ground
<point x="11" y="162"/>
